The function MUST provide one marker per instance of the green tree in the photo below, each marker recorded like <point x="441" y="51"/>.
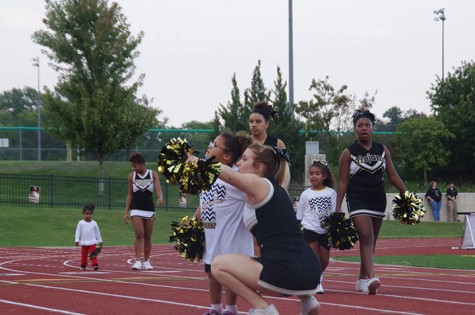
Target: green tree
<point x="326" y="106"/>
<point x="232" y="115"/>
<point x="422" y="144"/>
<point x="453" y="101"/>
<point x="286" y="127"/>
<point x="256" y="93"/>
<point x="93" y="105"/>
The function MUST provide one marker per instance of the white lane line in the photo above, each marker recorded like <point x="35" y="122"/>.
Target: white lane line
<point x="39" y="307"/>
<point x="110" y="294"/>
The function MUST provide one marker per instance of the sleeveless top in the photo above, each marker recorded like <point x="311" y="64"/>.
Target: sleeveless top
<point x="271" y="141"/>
<point x="142" y="192"/>
<point x="273" y="221"/>
<point x="365" y="189"/>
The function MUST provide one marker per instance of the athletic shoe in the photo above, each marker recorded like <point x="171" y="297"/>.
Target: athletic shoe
<point x="82" y="267"/>
<point x="369" y="285"/>
<point x="146" y="265"/>
<point x="270" y="310"/>
<point x="309" y="306"/>
<point x="96" y="267"/>
<point x="373" y="285"/>
<point x="320" y="289"/>
<point x="226" y="312"/>
<point x="137" y="265"/>
<point x="212" y="312"/>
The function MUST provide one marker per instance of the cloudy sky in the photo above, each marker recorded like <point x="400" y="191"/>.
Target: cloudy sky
<point x="191" y="48"/>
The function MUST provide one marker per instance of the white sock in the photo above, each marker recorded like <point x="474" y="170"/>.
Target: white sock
<point x="217" y="307"/>
<point x="231" y="308"/>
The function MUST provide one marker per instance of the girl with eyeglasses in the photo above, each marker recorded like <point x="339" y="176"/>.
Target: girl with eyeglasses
<point x="221" y="210"/>
<point x="316" y="203"/>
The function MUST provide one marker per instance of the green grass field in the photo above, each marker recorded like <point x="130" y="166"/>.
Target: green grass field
<point x="40" y="226"/>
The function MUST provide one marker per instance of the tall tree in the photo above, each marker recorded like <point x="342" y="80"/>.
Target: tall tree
<point x="91" y="46"/>
<point x="257" y="92"/>
<point x="421" y="144"/>
<point x="286" y="127"/>
<point x="232" y="115"/>
<point x="453" y="100"/>
<point x="323" y="111"/>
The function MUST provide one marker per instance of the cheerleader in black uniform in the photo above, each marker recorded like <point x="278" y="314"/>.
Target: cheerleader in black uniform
<point x="362" y="166"/>
<point x="258" y="123"/>
<point x="140" y="208"/>
<point x="287" y="265"/>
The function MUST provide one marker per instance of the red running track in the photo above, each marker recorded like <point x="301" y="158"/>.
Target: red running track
<point x="48" y="280"/>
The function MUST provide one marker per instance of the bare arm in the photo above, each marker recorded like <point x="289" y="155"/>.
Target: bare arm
<point x="280" y="144"/>
<point x="198" y="213"/>
<point x="129" y="199"/>
<point x="392" y="173"/>
<point x="344" y="170"/>
<point x="158" y="188"/>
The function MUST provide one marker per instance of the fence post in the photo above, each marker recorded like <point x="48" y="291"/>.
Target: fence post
<point x="51" y="197"/>
<point x="110" y="193"/>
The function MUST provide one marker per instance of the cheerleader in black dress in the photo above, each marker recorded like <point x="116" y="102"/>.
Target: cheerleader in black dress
<point x="287" y="265"/>
<point x="362" y="166"/>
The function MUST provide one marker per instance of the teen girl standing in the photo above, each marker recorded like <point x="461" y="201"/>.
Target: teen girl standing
<point x="362" y="166"/>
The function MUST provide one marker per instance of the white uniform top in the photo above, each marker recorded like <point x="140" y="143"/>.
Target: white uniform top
<point x="314" y="206"/>
<point x="222" y="208"/>
<point x="87" y="233"/>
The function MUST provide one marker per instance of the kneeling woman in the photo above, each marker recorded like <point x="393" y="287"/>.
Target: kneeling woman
<point x="287" y="265"/>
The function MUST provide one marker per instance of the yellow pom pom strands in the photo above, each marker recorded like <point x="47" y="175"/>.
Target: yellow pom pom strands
<point x="342" y="234"/>
<point x="408" y="208"/>
<point x="192" y="177"/>
<point x="189" y="236"/>
<point x="172" y="157"/>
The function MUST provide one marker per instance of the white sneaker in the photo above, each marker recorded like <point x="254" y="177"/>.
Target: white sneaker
<point x="137" y="265"/>
<point x="147" y="265"/>
<point x="309" y="305"/>
<point x="270" y="310"/>
<point x="369" y="285"/>
<point x="320" y="289"/>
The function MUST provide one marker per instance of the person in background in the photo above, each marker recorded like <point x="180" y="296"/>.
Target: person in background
<point x="287" y="265"/>
<point x="88" y="236"/>
<point x="259" y="120"/>
<point x="258" y="123"/>
<point x="221" y="210"/>
<point x="140" y="207"/>
<point x="452" y="210"/>
<point x="362" y="166"/>
<point x="434" y="196"/>
<point x="316" y="203"/>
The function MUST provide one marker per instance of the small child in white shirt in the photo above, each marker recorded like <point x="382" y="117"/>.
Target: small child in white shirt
<point x="88" y="236"/>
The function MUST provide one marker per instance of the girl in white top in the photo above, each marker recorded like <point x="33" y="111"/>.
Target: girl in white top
<point x="87" y="236"/>
<point x="316" y="203"/>
<point x="221" y="211"/>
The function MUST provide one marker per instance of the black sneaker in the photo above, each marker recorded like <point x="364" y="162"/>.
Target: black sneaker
<point x="82" y="267"/>
<point x="96" y="267"/>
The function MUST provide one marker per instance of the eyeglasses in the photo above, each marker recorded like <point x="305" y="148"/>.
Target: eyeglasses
<point x="324" y="163"/>
<point x="213" y="145"/>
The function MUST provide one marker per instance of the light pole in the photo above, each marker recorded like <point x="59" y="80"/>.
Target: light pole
<point x="441" y="16"/>
<point x="291" y="63"/>
<point x="36" y="63"/>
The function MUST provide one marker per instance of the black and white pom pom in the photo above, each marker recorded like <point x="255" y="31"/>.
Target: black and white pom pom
<point x="192" y="177"/>
<point x="342" y="234"/>
<point x="189" y="236"/>
<point x="408" y="208"/>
